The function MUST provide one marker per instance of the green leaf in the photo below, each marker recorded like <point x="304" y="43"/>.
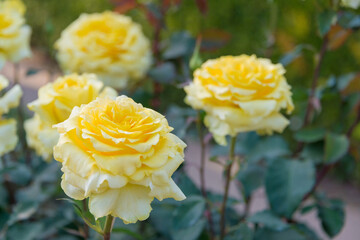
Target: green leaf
<point x="22" y="211"/>
<point x="287" y="182"/>
<point x="336" y="146"/>
<point x="349" y="20"/>
<point x="325" y="20"/>
<point x="24" y="231"/>
<point x="309" y="135"/>
<point x="332" y="216"/>
<point x="241" y="232"/>
<point x="295" y="53"/>
<point x="269" y="220"/>
<point x="164" y="73"/>
<point x="287" y="234"/>
<point x="128" y="232"/>
<point x="268" y="148"/>
<point x="189" y="233"/>
<point x="163" y="210"/>
<point x="252" y="177"/>
<point x="314" y="152"/>
<point x="189" y="212"/>
<point x="181" y="45"/>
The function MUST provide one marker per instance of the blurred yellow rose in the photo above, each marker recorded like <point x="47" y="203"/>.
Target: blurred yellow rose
<point x="14" y="34"/>
<point x="11" y="99"/>
<point x="239" y="94"/>
<point x="120" y="155"/>
<point x="107" y="44"/>
<point x="55" y="103"/>
<point x="351" y="3"/>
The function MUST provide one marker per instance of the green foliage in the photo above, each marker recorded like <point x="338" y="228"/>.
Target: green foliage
<point x="287" y="181"/>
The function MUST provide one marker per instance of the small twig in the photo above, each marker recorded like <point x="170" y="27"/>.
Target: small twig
<point x="227" y="185"/>
<point x="202" y="176"/>
<point x="326" y="169"/>
<point x="314" y="84"/>
<point x="86" y="227"/>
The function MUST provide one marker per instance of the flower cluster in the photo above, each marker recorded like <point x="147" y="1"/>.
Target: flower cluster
<point x="240" y="93"/>
<point x="107" y="44"/>
<point x="120" y="155"/>
<point x="54" y="105"/>
<point x="14" y="34"/>
<point x="11" y="99"/>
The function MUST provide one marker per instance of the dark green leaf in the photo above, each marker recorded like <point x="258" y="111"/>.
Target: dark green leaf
<point x="349" y="20"/>
<point x="336" y="147"/>
<point x="23" y="211"/>
<point x="325" y="20"/>
<point x="24" y="231"/>
<point x="189" y="212"/>
<point x="189" y="233"/>
<point x="314" y="152"/>
<point x="128" y="232"/>
<point x="268" y="148"/>
<point x="287" y="234"/>
<point x="332" y="216"/>
<point x="252" y="177"/>
<point x="269" y="220"/>
<point x="241" y="232"/>
<point x="181" y="45"/>
<point x="309" y="135"/>
<point x="287" y="182"/>
<point x="164" y="73"/>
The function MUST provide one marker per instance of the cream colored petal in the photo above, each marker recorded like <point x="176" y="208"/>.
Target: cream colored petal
<point x="168" y="190"/>
<point x="73" y="157"/>
<point x="11" y="99"/>
<point x="72" y="191"/>
<point x="130" y="203"/>
<point x="3" y="81"/>
<point x="124" y="164"/>
<point x="258" y="108"/>
<point x="41" y="137"/>
<point x="8" y="136"/>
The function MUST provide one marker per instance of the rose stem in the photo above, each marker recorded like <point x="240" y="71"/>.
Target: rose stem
<point x="314" y="83"/>
<point x="326" y="169"/>
<point x="86" y="227"/>
<point x="202" y="175"/>
<point x="108" y="227"/>
<point x="227" y="185"/>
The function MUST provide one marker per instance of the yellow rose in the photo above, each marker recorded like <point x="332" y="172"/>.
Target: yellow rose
<point x="120" y="155"/>
<point x="107" y="44"/>
<point x="239" y="94"/>
<point x="54" y="105"/>
<point x="11" y="99"/>
<point x="14" y="34"/>
<point x="351" y="3"/>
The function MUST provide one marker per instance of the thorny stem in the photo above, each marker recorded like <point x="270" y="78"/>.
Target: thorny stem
<point x="202" y="176"/>
<point x="108" y="227"/>
<point x="227" y="185"/>
<point x="314" y="83"/>
<point x="326" y="169"/>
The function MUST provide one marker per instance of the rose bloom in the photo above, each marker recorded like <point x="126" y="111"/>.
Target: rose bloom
<point x="120" y="155"/>
<point x="11" y="99"/>
<point x="351" y="3"/>
<point x="107" y="44"/>
<point x="14" y="34"/>
<point x="240" y="94"/>
<point x="54" y="105"/>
